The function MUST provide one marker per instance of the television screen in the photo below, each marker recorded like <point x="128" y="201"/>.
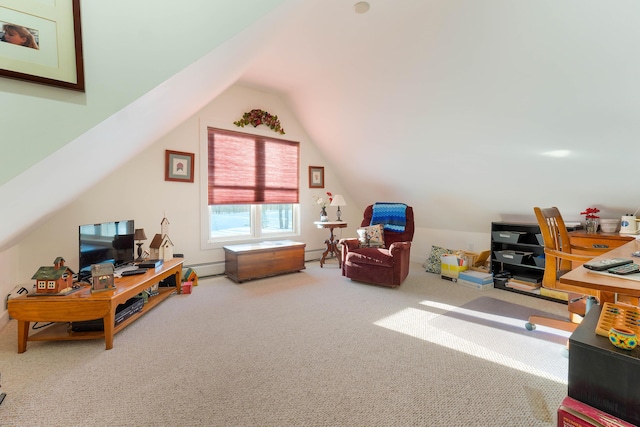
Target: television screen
<point x="105" y="242"/>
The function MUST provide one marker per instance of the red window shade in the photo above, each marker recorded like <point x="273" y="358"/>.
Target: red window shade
<point x="251" y="169"/>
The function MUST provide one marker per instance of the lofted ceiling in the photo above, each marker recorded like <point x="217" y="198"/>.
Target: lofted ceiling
<point x="471" y="111"/>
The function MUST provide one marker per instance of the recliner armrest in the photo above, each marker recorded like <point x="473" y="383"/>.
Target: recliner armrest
<point x="399" y="247"/>
<point x="350" y="244"/>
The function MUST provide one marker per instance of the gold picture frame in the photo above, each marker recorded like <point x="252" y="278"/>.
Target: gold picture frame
<point x="51" y="52"/>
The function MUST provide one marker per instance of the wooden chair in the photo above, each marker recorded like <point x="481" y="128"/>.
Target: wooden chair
<point x="560" y="259"/>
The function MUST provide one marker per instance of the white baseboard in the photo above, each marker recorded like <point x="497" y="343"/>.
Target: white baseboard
<point x="4" y="319"/>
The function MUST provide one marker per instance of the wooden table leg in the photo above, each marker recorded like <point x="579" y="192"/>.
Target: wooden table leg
<point x="338" y="254"/>
<point x="325" y="253"/>
<point x="331" y="249"/>
<point x="109" y="325"/>
<point x="23" y="334"/>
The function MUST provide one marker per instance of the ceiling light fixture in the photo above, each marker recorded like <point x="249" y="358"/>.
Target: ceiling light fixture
<point x="558" y="153"/>
<point x="361" y="7"/>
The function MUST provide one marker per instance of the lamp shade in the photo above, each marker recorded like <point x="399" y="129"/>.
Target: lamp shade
<point x="338" y="200"/>
<point x="138" y="234"/>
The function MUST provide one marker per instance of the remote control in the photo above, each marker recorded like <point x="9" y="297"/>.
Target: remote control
<point x="134" y="272"/>
<point x="606" y="264"/>
<point x="625" y="269"/>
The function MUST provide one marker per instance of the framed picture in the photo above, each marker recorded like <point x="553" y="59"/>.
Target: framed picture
<point x="316" y="177"/>
<point x="41" y="42"/>
<point x="178" y="166"/>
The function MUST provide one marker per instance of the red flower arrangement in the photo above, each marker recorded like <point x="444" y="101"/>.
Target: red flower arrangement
<point x="324" y="202"/>
<point x="258" y="117"/>
<point x="591" y="213"/>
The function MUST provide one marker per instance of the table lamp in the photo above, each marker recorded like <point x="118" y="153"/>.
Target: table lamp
<point x="139" y="235"/>
<point x="338" y="201"/>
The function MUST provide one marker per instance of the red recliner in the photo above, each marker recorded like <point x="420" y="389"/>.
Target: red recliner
<point x="387" y="266"/>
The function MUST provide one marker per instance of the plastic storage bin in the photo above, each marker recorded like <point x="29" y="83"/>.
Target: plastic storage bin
<point x="507" y="236"/>
<point x="513" y="257"/>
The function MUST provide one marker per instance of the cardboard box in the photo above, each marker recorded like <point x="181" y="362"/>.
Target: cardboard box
<point x="478" y="286"/>
<point x="476" y="277"/>
<point x="451" y="265"/>
<point x="573" y="413"/>
<point x="477" y="261"/>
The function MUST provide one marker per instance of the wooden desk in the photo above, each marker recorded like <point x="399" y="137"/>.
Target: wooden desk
<point x="607" y="285"/>
<point x="597" y="240"/>
<point x="84" y="305"/>
<point x="330" y="242"/>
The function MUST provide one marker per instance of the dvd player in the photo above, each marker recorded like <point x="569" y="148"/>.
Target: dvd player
<point x="123" y="312"/>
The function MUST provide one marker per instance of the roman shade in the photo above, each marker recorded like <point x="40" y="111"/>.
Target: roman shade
<point x="251" y="169"/>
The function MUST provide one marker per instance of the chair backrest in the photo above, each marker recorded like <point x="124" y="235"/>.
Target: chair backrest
<point x="555" y="237"/>
<point x="392" y="236"/>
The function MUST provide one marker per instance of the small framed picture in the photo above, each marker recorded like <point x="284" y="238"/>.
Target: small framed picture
<point x="178" y="166"/>
<point x="316" y="177"/>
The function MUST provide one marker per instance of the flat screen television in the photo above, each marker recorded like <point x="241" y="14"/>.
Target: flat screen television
<point x="105" y="242"/>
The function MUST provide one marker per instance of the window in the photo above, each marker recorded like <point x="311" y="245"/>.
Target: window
<point x="252" y="185"/>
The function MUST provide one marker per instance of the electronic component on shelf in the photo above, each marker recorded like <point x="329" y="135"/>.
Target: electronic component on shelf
<point x="625" y="269"/>
<point x="606" y="264"/>
<point x="133" y="272"/>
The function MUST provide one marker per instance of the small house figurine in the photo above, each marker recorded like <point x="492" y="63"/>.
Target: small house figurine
<point x="161" y="247"/>
<point x="102" y="277"/>
<point x="54" y="280"/>
<point x="166" y="248"/>
<point x="154" y="247"/>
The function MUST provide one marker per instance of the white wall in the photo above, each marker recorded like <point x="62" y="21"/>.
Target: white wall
<point x="138" y="191"/>
<point x="128" y="49"/>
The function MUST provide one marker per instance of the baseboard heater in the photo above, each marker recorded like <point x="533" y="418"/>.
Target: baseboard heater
<point x="216" y="268"/>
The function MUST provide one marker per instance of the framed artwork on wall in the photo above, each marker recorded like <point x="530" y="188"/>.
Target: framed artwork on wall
<point x="178" y="166"/>
<point x="41" y="42"/>
<point x="316" y="177"/>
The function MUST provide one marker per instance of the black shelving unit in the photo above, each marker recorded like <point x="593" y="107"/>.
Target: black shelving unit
<point x="515" y="239"/>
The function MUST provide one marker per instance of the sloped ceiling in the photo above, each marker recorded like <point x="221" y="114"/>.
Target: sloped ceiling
<point x="457" y="107"/>
<point x="462" y="107"/>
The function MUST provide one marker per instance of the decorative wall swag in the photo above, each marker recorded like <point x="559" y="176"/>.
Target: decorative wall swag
<point x="258" y="117"/>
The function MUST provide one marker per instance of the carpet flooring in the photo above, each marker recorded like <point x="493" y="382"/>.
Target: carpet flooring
<point x="303" y="349"/>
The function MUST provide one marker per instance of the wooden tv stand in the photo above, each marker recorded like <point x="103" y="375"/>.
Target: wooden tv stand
<point x="83" y="305"/>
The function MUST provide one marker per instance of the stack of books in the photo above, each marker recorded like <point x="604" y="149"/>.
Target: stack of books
<point x="523" y="285"/>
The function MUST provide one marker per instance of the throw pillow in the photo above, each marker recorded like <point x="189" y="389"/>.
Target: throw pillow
<point x="372" y="236"/>
<point x="432" y="264"/>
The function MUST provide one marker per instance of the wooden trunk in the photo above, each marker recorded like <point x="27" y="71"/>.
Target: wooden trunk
<point x="256" y="260"/>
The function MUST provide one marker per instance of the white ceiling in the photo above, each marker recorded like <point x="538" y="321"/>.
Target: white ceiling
<point x="451" y="105"/>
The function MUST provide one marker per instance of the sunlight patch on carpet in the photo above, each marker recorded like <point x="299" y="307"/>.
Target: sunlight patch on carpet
<point x="510" y="322"/>
<point x="420" y="324"/>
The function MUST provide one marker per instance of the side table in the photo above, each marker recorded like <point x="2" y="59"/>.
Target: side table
<point x="330" y="242"/>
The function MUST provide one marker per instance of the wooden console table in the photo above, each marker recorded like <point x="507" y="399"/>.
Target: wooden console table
<point x="83" y="305"/>
<point x="330" y="242"/>
<point x="264" y="259"/>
